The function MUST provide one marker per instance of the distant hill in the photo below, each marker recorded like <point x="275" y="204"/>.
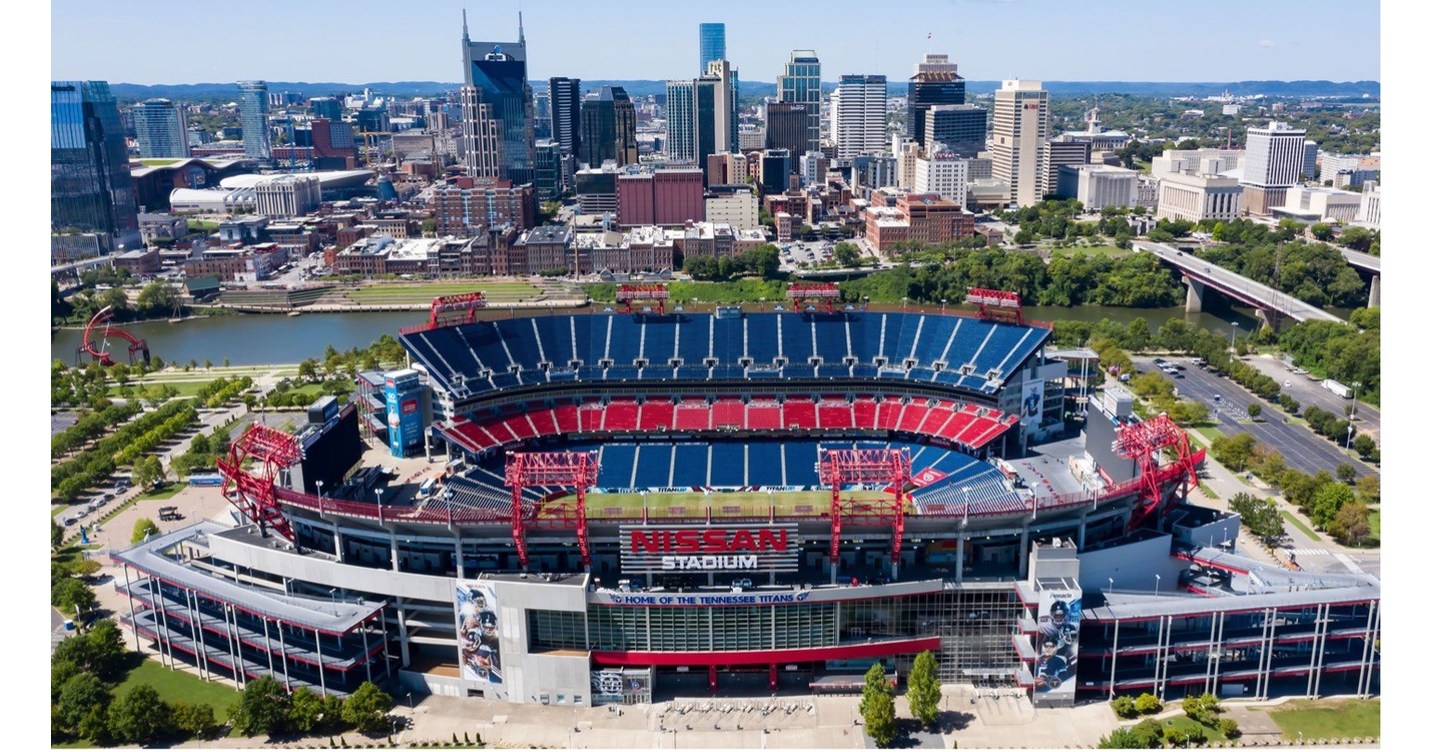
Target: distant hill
<point x="643" y="88"/>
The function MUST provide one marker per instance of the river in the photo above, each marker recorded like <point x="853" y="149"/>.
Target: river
<point x="256" y="339"/>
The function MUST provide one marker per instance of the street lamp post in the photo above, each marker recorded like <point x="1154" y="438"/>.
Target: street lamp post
<point x="1158" y="588"/>
<point x="1234" y="337"/>
<point x="944" y="305"/>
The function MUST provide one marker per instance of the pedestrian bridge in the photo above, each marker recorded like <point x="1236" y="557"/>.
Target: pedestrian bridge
<point x="1270" y="303"/>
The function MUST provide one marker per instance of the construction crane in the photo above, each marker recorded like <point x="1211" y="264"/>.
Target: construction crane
<point x="373" y="145"/>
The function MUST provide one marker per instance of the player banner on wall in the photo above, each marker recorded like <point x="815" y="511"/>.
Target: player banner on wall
<point x="1031" y="404"/>
<point x="1059" y="614"/>
<point x="478" y="620"/>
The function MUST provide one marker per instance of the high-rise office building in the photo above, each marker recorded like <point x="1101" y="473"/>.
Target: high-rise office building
<point x="776" y="166"/>
<point x="960" y="127"/>
<point x="681" y="135"/>
<point x="160" y="127"/>
<point x="254" y="118"/>
<point x="934" y="82"/>
<point x="787" y="128"/>
<point x="564" y="98"/>
<point x="1273" y="163"/>
<point x="801" y="82"/>
<point x="1062" y="151"/>
<point x="859" y="115"/>
<point x="725" y="105"/>
<point x="498" y="71"/>
<point x="543" y="116"/>
<point x="326" y="107"/>
<point x="482" y="135"/>
<point x="712" y="45"/>
<point x="548" y="169"/>
<point x="1020" y="125"/>
<point x="91" y="190"/>
<point x="608" y="128"/>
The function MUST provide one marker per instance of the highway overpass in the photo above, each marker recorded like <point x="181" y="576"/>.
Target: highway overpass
<point x="1369" y="266"/>
<point x="1200" y="276"/>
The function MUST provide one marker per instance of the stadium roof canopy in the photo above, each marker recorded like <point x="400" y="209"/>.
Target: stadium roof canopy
<point x="328" y="180"/>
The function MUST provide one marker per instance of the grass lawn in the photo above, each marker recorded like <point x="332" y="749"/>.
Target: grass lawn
<point x="394" y="293"/>
<point x="180" y="685"/>
<point x="1191" y="726"/>
<point x="56" y="509"/>
<point x="1111" y="251"/>
<point x="1374" y="519"/>
<point x="742" y="504"/>
<point x="1293" y="519"/>
<point x="1210" y="433"/>
<point x="163" y="493"/>
<point x="1329" y="719"/>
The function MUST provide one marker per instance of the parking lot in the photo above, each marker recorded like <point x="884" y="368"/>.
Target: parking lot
<point x="1227" y="402"/>
<point x="811" y="253"/>
<point x="1307" y="390"/>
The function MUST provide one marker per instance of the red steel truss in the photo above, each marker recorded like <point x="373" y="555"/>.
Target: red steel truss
<point x="842" y="466"/>
<point x="630" y="294"/>
<point x="1144" y="442"/>
<point x="98" y="351"/>
<point x="250" y="489"/>
<point x="576" y="470"/>
<point x="817" y="293"/>
<point x="997" y="305"/>
<point x="452" y="310"/>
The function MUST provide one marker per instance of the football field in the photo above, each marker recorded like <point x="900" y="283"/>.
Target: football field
<point x="663" y="505"/>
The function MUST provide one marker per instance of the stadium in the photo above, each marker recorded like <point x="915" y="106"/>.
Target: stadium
<point x="628" y="506"/>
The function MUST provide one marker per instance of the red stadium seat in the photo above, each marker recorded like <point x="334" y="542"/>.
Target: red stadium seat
<point x="728" y="413"/>
<point x="590" y="417"/>
<point x="800" y="412"/>
<point x="764" y="416"/>
<point x="692" y="415"/>
<point x="621" y="415"/>
<point x="936" y="416"/>
<point x="912" y="416"/>
<point x="566" y="416"/>
<point x="889" y="410"/>
<point x="655" y="415"/>
<point x="544" y="421"/>
<point x="835" y="415"/>
<point x="865" y="413"/>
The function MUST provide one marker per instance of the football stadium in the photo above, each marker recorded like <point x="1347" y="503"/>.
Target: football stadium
<point x="631" y="505"/>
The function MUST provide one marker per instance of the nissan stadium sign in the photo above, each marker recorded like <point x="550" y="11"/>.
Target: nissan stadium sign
<point x="709" y="548"/>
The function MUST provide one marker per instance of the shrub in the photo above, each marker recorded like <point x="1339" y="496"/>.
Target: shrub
<point x="1148" y="704"/>
<point x="1228" y="728"/>
<point x="1124" y="707"/>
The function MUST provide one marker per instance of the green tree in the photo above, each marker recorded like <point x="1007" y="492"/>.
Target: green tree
<point x="1261" y="517"/>
<point x="144" y="527"/>
<point x="1364" y="445"/>
<point x="157" y="298"/>
<point x="847" y="255"/>
<point x="1148" y="732"/>
<point x="139" y="716"/>
<point x="1351" y="524"/>
<point x="1124" y="707"/>
<point x="924" y="691"/>
<point x="306" y="709"/>
<point x="1122" y="738"/>
<point x="1329" y="500"/>
<point x="1253" y="410"/>
<point x="1147" y="703"/>
<point x="194" y="719"/>
<point x="308" y="369"/>
<point x="80" y="709"/>
<point x="1368" y="489"/>
<point x="57" y="534"/>
<point x="1175" y="736"/>
<point x="1228" y="728"/>
<point x="1345" y="472"/>
<point x="878" y="712"/>
<point x="1322" y="231"/>
<point x="262" y="709"/>
<point x="367" y="708"/>
<point x="71" y="593"/>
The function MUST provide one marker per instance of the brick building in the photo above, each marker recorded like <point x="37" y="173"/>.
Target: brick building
<point x="468" y="206"/>
<point x="662" y="197"/>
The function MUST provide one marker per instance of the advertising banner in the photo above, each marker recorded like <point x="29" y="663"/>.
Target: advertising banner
<point x="477" y="614"/>
<point x="1059" y="614"/>
<point x="679" y="548"/>
<point x="1031" y="404"/>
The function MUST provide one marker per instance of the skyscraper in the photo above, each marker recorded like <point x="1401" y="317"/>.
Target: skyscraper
<point x="960" y="127"/>
<point x="608" y="128"/>
<point x="681" y="135"/>
<point x="481" y="135"/>
<point x="725" y="105"/>
<point x="564" y="99"/>
<point x="543" y="116"/>
<point x="801" y="82"/>
<point x="90" y="185"/>
<point x="859" y="115"/>
<point x="787" y="128"/>
<point x="326" y="107"/>
<point x="1273" y="163"/>
<point x="712" y="44"/>
<point x="498" y="71"/>
<point x="934" y="82"/>
<point x="1020" y="125"/>
<point x="254" y="118"/>
<point x="161" y="129"/>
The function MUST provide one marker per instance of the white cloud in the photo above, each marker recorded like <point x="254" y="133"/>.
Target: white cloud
<point x="1267" y="43"/>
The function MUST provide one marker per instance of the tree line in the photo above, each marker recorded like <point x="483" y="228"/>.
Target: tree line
<point x="70" y="478"/>
<point x="91" y="425"/>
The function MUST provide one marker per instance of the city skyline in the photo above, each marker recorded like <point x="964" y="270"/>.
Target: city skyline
<point x="1272" y="42"/>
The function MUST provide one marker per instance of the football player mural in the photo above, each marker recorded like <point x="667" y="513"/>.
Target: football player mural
<point x="478" y="633"/>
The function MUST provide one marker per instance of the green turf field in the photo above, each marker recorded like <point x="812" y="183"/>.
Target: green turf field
<point x="494" y="292"/>
<point x="737" y="504"/>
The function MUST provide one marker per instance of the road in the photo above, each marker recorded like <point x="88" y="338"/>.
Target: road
<point x="1227" y="402"/>
<point x="1308" y="392"/>
<point x="1235" y="285"/>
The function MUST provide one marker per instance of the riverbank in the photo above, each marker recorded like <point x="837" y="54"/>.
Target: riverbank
<point x="122" y="324"/>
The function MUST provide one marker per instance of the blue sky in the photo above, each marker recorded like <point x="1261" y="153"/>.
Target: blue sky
<point x="369" y="40"/>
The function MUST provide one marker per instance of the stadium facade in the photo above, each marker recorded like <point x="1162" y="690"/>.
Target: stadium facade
<point x="633" y="506"/>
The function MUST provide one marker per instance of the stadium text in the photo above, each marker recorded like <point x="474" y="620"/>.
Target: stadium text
<point x="710" y="562"/>
<point x="745" y="599"/>
<point x="713" y="541"/>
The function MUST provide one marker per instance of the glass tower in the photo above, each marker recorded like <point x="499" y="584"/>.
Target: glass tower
<point x="934" y="82"/>
<point x="801" y="82"/>
<point x="254" y="118"/>
<point x="712" y="44"/>
<point x="90" y="185"/>
<point x="160" y="128"/>
<point x="499" y="71"/>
